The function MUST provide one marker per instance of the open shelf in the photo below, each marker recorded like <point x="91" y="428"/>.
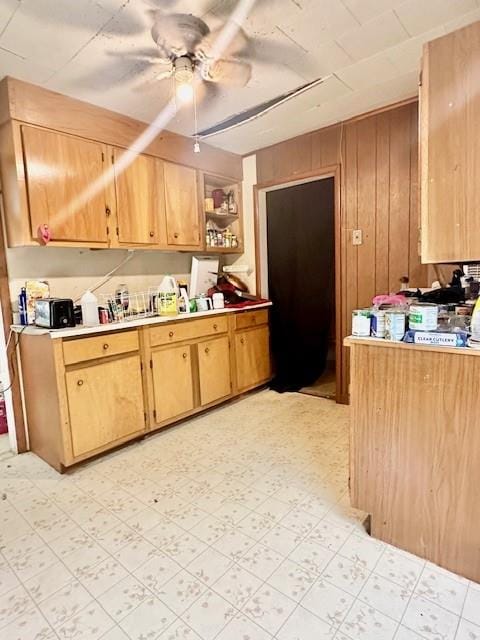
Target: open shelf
<point x="223" y="229"/>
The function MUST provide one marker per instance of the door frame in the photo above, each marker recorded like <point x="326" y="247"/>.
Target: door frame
<point x="260" y="211"/>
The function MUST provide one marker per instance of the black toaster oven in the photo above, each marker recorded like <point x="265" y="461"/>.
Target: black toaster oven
<point x="54" y="313"/>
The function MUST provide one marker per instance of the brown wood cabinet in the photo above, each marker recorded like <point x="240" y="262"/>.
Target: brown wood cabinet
<point x="214" y="369"/>
<point x="106" y="389"/>
<point x="252" y="353"/>
<point x="450" y="147"/>
<point x="105" y="403"/>
<point x="140" y="200"/>
<point x="59" y="172"/>
<point x="182" y="206"/>
<point x="172" y="376"/>
<point x="56" y="157"/>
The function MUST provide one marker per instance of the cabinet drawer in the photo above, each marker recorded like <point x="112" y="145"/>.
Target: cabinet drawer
<point x="251" y="319"/>
<point x="110" y="344"/>
<point x="187" y="330"/>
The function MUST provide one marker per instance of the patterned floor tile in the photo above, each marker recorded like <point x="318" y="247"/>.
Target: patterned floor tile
<point x="385" y="596"/>
<point x="444" y="591"/>
<point x="269" y="608"/>
<point x="89" y="624"/>
<point x="261" y="561"/>
<point x="303" y="625"/>
<point x="365" y="623"/>
<point x="65" y="603"/>
<point x="124" y="597"/>
<point x="292" y="580"/>
<point x="328" y="602"/>
<point x="242" y="628"/>
<point x="209" y="615"/>
<point x="237" y="585"/>
<point x="429" y="620"/>
<point x="148" y="620"/>
<point x="181" y="591"/>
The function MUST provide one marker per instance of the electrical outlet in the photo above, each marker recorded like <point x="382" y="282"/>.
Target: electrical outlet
<point x="357" y="237"/>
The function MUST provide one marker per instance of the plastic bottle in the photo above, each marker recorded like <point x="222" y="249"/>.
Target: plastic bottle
<point x="475" y="324"/>
<point x="22" y="306"/>
<point x="89" y="304"/>
<point x="167" y="297"/>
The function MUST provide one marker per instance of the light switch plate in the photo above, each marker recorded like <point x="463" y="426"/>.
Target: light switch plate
<point x="357" y="237"/>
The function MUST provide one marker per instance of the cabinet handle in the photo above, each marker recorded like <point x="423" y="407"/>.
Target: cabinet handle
<point x="184" y="356"/>
<point x="108" y="211"/>
<point x="175" y="235"/>
<point x="151" y="234"/>
<point x="215" y="327"/>
<point x="242" y="340"/>
<point x="254" y="320"/>
<point x="105" y="346"/>
<point x="170" y="334"/>
<point x="79" y="383"/>
<point x="207" y="350"/>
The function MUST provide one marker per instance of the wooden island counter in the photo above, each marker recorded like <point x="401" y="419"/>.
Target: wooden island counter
<point x="415" y="448"/>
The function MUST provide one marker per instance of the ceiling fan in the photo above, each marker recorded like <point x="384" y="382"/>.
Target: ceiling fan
<point x="186" y="45"/>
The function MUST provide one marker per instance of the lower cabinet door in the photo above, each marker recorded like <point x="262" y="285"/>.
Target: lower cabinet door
<point x="214" y="370"/>
<point x="105" y="403"/>
<point x="172" y="382"/>
<point x="252" y="352"/>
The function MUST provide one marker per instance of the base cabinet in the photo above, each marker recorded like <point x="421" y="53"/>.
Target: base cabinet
<point x="106" y="389"/>
<point x="252" y="352"/>
<point x="214" y="370"/>
<point x="172" y="382"/>
<point x="105" y="403"/>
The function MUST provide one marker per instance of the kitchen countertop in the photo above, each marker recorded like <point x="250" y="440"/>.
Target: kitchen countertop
<point x="80" y="330"/>
<point x="391" y="344"/>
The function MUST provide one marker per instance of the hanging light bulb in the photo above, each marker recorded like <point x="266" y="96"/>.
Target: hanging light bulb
<point x="184" y="92"/>
<point x="196" y="146"/>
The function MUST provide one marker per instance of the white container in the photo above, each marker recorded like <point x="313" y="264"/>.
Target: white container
<point x="167" y="297"/>
<point x="423" y="317"/>
<point x="361" y="323"/>
<point x="378" y="323"/>
<point x="89" y="304"/>
<point x="218" y="300"/>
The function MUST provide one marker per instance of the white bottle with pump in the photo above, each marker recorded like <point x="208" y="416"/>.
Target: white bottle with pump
<point x="89" y="304"/>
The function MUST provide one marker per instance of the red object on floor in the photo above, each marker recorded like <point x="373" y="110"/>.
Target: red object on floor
<point x="3" y="417"/>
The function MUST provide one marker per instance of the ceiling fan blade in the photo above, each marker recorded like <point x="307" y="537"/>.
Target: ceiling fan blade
<point x="146" y="53"/>
<point x="238" y="44"/>
<point x="178" y="33"/>
<point x="232" y="73"/>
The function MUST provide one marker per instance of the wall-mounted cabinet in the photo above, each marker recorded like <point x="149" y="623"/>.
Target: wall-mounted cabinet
<point x="60" y="174"/>
<point x="450" y="147"/>
<point x="222" y="214"/>
<point x="73" y="182"/>
<point x="139" y="201"/>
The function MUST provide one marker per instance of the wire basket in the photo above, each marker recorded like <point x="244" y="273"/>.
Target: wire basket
<point x="125" y="307"/>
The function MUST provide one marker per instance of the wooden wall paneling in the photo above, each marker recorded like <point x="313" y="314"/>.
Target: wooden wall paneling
<point x="366" y="209"/>
<point x="382" y="220"/>
<point x="417" y="272"/>
<point x="326" y="146"/>
<point x="399" y="227"/>
<point x="35" y="105"/>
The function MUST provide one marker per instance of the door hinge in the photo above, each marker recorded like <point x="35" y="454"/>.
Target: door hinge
<point x="151" y="364"/>
<point x="108" y="231"/>
<point x="420" y="79"/>
<point x="103" y="157"/>
<point x="113" y="159"/>
<point x="155" y="414"/>
<point x="145" y="417"/>
<point x="118" y="231"/>
<point x="141" y="366"/>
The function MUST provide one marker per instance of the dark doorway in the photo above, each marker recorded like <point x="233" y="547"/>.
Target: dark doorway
<point x="301" y="280"/>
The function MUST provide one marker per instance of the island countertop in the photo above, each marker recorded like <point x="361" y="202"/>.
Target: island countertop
<point x="415" y="448"/>
<point x="80" y="330"/>
<point x="409" y="346"/>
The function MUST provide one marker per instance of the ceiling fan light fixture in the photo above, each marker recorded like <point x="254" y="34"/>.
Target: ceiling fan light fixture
<point x="183" y="74"/>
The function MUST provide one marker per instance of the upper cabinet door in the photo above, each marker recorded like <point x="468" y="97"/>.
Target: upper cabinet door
<point x="140" y="200"/>
<point x="65" y="184"/>
<point x="450" y="147"/>
<point x="181" y="206"/>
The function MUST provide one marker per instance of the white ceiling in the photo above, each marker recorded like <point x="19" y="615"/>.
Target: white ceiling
<point x="370" y="48"/>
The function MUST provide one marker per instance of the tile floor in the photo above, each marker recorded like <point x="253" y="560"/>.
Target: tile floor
<point x="233" y="526"/>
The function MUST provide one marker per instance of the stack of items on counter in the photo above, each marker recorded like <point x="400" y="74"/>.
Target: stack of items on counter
<point x="408" y="317"/>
